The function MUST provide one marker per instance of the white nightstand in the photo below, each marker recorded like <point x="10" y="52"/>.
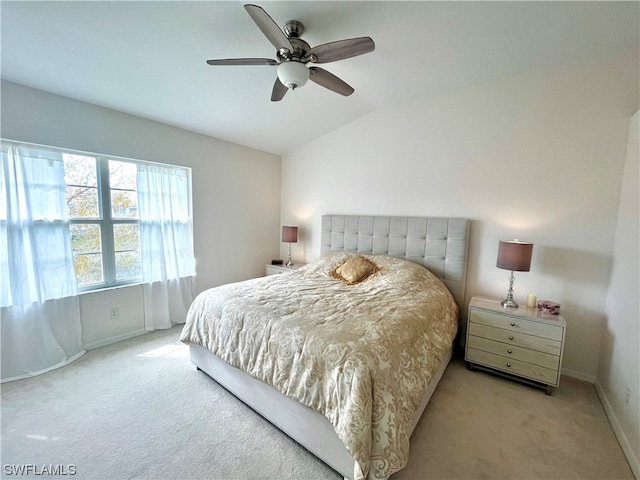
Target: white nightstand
<point x="521" y="343"/>
<point x="275" y="269"/>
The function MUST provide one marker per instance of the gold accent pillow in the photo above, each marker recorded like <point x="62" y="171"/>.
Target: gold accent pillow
<point x="355" y="270"/>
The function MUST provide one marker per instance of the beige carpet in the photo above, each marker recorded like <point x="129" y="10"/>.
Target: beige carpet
<point x="139" y="410"/>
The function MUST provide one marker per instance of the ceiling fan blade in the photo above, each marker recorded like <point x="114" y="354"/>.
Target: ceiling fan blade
<point x="330" y="81"/>
<point x="278" y="91"/>
<point x="269" y="27"/>
<point x="243" y="61"/>
<point x="333" y="51"/>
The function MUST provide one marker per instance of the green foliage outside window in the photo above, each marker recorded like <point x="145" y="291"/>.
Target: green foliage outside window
<point x="89" y="228"/>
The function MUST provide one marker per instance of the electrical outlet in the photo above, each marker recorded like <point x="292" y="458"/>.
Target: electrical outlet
<point x="114" y="313"/>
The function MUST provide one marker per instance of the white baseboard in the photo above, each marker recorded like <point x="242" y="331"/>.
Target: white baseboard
<point x="579" y="375"/>
<point x="117" y="338"/>
<point x="634" y="463"/>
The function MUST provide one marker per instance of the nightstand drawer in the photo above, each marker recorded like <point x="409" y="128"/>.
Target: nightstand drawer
<point x="514" y="352"/>
<point x="514" y="324"/>
<point x="277" y="269"/>
<point x="531" y="342"/>
<point x="516" y="367"/>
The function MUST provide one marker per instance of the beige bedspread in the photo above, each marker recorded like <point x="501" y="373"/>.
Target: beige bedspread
<point x="361" y="355"/>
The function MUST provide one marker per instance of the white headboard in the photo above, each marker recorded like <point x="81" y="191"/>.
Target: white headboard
<point x="440" y="244"/>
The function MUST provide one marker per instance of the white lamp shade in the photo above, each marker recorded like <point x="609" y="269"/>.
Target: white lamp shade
<point x="293" y="74"/>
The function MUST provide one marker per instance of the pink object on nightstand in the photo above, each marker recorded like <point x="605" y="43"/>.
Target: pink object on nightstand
<point x="550" y="308"/>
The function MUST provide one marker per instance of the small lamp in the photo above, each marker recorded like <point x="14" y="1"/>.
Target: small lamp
<point x="290" y="235"/>
<point x="515" y="256"/>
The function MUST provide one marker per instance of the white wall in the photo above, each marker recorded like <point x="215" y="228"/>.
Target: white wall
<point x="236" y="190"/>
<point x="618" y="381"/>
<point x="538" y="157"/>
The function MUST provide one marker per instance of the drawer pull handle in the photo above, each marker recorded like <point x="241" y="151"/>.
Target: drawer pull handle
<point x="509" y="351"/>
<point x="508" y="364"/>
<point x="513" y="324"/>
<point x="510" y="337"/>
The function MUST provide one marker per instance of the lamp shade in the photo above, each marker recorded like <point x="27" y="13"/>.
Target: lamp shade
<point x="290" y="234"/>
<point x="293" y="74"/>
<point x="514" y="255"/>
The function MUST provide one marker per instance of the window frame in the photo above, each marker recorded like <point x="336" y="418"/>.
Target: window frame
<point x="106" y="221"/>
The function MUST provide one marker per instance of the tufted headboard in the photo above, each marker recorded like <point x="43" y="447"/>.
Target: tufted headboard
<point x="440" y="244"/>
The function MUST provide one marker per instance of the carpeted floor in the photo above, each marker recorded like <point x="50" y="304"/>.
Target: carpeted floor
<point x="139" y="410"/>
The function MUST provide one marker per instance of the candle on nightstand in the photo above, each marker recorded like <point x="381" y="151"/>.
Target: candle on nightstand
<point x="532" y="300"/>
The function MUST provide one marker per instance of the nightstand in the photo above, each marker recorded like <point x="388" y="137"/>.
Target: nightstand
<point x="519" y="343"/>
<point x="276" y="269"/>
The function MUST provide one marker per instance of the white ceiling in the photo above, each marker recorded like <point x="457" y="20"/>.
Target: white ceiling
<point x="148" y="58"/>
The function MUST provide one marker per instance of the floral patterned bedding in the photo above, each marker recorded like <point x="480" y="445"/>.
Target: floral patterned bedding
<point x="361" y="355"/>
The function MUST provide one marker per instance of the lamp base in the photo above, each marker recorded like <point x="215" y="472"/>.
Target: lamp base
<point x="289" y="261"/>
<point x="509" y="303"/>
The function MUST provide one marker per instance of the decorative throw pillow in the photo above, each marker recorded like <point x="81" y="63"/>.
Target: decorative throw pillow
<point x="355" y="270"/>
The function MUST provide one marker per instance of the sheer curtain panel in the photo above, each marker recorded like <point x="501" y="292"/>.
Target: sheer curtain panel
<point x="39" y="307"/>
<point x="168" y="265"/>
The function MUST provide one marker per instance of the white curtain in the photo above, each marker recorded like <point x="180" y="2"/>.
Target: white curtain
<point x="39" y="306"/>
<point x="168" y="265"/>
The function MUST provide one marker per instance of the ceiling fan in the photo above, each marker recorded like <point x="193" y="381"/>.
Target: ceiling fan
<point x="293" y="54"/>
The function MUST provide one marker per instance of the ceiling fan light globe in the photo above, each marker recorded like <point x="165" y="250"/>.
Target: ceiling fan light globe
<point x="293" y="74"/>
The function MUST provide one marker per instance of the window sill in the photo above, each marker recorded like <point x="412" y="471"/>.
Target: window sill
<point x="110" y="287"/>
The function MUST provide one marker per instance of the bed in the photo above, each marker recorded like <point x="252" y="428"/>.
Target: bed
<point x="343" y="364"/>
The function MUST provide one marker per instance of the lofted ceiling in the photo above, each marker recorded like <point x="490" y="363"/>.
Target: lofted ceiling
<point x="148" y="58"/>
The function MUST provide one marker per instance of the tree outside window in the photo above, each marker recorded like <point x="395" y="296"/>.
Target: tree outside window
<point x="102" y="204"/>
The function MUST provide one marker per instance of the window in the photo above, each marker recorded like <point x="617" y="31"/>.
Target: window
<point x="102" y="203"/>
<point x="73" y="221"/>
<point x="122" y="221"/>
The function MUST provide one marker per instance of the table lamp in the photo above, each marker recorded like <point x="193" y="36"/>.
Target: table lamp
<point x="290" y="235"/>
<point x="513" y="255"/>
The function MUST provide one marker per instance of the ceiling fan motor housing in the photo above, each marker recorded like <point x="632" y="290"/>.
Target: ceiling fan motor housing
<point x="292" y="72"/>
<point x="300" y="49"/>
